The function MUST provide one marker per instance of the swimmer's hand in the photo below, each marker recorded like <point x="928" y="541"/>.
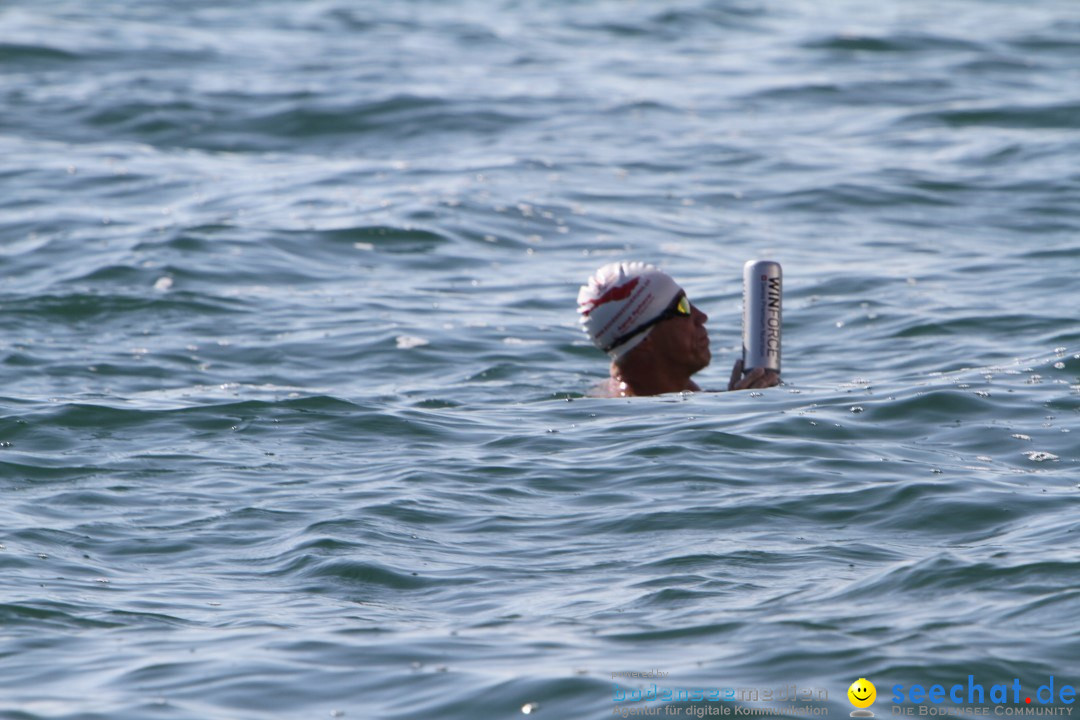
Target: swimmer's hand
<point x="755" y="379"/>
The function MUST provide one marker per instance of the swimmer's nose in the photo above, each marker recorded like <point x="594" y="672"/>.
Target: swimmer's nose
<point x="700" y="317"/>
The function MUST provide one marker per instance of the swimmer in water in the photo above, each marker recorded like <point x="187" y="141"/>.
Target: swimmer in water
<point x="655" y="337"/>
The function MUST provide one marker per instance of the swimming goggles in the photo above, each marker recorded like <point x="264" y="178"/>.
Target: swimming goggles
<point x="680" y="307"/>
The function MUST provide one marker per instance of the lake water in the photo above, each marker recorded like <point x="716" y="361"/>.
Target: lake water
<point x="293" y="399"/>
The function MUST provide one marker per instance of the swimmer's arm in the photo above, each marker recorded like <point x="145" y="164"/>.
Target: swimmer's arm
<point x="755" y="379"/>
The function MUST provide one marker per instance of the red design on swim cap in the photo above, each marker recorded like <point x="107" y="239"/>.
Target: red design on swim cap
<point x="619" y="292"/>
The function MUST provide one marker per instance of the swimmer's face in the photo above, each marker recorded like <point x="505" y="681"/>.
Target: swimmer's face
<point x="683" y="340"/>
<point x="862" y="693"/>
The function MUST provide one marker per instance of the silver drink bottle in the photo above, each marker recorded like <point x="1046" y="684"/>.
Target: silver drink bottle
<point x="762" y="289"/>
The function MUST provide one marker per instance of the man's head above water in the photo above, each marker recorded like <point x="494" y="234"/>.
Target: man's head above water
<point x="656" y="338"/>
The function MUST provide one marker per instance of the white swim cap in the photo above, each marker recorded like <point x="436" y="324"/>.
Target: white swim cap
<point x="620" y="298"/>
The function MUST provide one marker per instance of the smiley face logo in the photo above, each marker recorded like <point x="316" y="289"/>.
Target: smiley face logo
<point x="862" y="694"/>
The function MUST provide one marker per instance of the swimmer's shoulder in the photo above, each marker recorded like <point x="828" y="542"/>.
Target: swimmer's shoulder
<point x="607" y="388"/>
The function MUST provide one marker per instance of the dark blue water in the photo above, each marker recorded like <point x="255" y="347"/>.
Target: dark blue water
<point x="293" y="400"/>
